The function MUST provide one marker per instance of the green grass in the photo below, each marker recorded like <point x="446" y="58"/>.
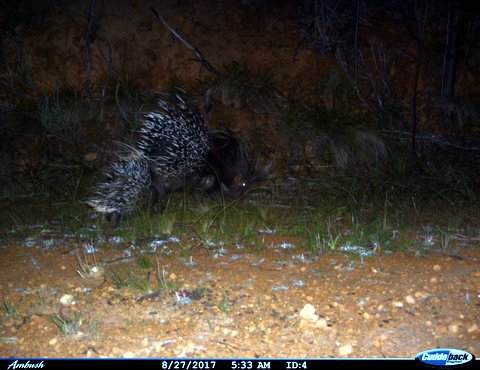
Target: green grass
<point x="144" y="262"/>
<point x="152" y="222"/>
<point x="48" y="195"/>
<point x="325" y="212"/>
<point x="224" y="305"/>
<point x="9" y="308"/>
<point x="131" y="278"/>
<point x="164" y="283"/>
<point x="128" y="104"/>
<point x="62" y="114"/>
<point x="67" y="325"/>
<point x="88" y="267"/>
<point x="239" y="86"/>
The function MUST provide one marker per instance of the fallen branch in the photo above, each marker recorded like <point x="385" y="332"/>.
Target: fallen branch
<point x="200" y="56"/>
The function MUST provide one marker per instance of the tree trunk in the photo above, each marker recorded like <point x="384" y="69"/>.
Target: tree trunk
<point x="451" y="49"/>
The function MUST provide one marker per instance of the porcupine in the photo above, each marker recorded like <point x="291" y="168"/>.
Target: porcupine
<point x="232" y="169"/>
<point x="175" y="150"/>
<point x="127" y="187"/>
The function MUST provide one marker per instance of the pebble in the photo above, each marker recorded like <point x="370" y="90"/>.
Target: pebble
<point x="472" y="328"/>
<point x="308" y="312"/>
<point x="437" y="268"/>
<point x="95" y="272"/>
<point x="53" y="341"/>
<point x="454" y="327"/>
<point x="420" y="294"/>
<point x="321" y="323"/>
<point x="156" y="346"/>
<point x="128" y="354"/>
<point x="442" y="330"/>
<point x="409" y="299"/>
<point x="9" y="340"/>
<point x="345" y="350"/>
<point x="67" y="300"/>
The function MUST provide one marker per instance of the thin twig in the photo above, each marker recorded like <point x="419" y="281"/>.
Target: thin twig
<point x="447" y="37"/>
<point x="357" y="15"/>
<point x="200" y="56"/>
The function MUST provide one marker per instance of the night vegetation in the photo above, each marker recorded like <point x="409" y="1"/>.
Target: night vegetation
<point x="387" y="130"/>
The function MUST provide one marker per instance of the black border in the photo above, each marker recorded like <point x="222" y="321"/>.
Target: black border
<point x="219" y="364"/>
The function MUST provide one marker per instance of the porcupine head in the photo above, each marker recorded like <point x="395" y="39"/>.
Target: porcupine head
<point x="231" y="167"/>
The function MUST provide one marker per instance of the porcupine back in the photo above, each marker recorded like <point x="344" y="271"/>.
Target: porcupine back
<point x="175" y="139"/>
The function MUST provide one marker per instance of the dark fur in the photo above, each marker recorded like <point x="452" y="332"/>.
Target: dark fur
<point x="231" y="167"/>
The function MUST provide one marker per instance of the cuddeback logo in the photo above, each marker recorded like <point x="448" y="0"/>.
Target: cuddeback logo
<point x="444" y="357"/>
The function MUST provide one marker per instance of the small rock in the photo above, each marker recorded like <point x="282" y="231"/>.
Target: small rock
<point x="366" y="315"/>
<point x="321" y="323"/>
<point x="454" y="327"/>
<point x="345" y="350"/>
<point x="9" y="340"/>
<point x="95" y="272"/>
<point x="420" y="294"/>
<point x="67" y="300"/>
<point x="437" y="268"/>
<point x="397" y="304"/>
<point x="410" y="299"/>
<point x="472" y="328"/>
<point x="441" y="330"/>
<point x="53" y="341"/>
<point x="156" y="346"/>
<point x="128" y="354"/>
<point x="308" y="312"/>
<point x="434" y="280"/>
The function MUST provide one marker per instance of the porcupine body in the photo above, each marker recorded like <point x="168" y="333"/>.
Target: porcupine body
<point x="175" y="150"/>
<point x="127" y="186"/>
<point x="176" y="141"/>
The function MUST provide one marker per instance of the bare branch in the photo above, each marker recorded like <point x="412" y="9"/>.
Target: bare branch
<point x="200" y="56"/>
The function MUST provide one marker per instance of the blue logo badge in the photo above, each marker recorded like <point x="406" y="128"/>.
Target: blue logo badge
<point x="445" y="357"/>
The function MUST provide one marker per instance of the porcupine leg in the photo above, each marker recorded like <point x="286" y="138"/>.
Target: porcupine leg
<point x="158" y="190"/>
<point x="114" y="219"/>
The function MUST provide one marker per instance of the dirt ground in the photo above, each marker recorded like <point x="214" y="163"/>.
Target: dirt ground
<point x="230" y="301"/>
